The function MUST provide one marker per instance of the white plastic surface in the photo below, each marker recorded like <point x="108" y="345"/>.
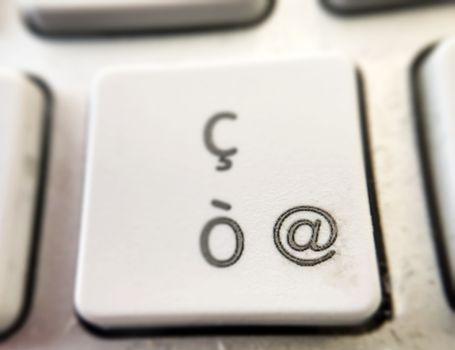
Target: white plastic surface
<point x="437" y="85"/>
<point x="151" y="179"/>
<point x="85" y="16"/>
<point x="21" y="111"/>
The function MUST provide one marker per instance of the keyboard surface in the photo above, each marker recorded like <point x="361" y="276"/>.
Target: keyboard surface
<point x="382" y="45"/>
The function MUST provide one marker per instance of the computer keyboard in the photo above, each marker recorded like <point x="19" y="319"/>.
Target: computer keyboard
<point x="255" y="175"/>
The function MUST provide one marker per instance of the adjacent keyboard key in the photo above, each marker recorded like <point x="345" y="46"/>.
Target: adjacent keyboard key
<point x="98" y="16"/>
<point x="227" y="195"/>
<point x="349" y="6"/>
<point x="436" y="83"/>
<point x="22" y="106"/>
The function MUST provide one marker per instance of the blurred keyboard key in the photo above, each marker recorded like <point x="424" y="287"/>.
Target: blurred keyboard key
<point x="227" y="195"/>
<point x="352" y="6"/>
<point x="22" y="106"/>
<point x="436" y="86"/>
<point x="100" y="16"/>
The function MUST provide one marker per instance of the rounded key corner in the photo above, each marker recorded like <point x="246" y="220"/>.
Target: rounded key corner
<point x="85" y="317"/>
<point x="374" y="307"/>
<point x="16" y="320"/>
<point x="102" y="82"/>
<point x="43" y="90"/>
<point x="374" y="317"/>
<point x="90" y="325"/>
<point x="334" y="9"/>
<point x="42" y="85"/>
<point x="12" y="323"/>
<point x="261" y="12"/>
<point x="46" y="128"/>
<point x="26" y="14"/>
<point x="370" y="309"/>
<point x="101" y="77"/>
<point x="419" y="60"/>
<point x="436" y="48"/>
<point x="90" y="320"/>
<point x="422" y="56"/>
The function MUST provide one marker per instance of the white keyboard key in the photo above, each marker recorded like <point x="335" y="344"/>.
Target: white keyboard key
<point x="437" y="94"/>
<point x="86" y="16"/>
<point x="227" y="195"/>
<point x="366" y="5"/>
<point x="22" y="106"/>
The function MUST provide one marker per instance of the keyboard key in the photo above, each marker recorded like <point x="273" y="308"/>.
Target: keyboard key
<point x="350" y="6"/>
<point x="22" y="108"/>
<point x="227" y="195"/>
<point x="98" y="16"/>
<point x="436" y="84"/>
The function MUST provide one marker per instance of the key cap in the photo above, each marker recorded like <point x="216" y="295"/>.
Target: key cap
<point x="98" y="16"/>
<point x="351" y="6"/>
<point x="22" y="107"/>
<point x="226" y="195"/>
<point x="436" y="81"/>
